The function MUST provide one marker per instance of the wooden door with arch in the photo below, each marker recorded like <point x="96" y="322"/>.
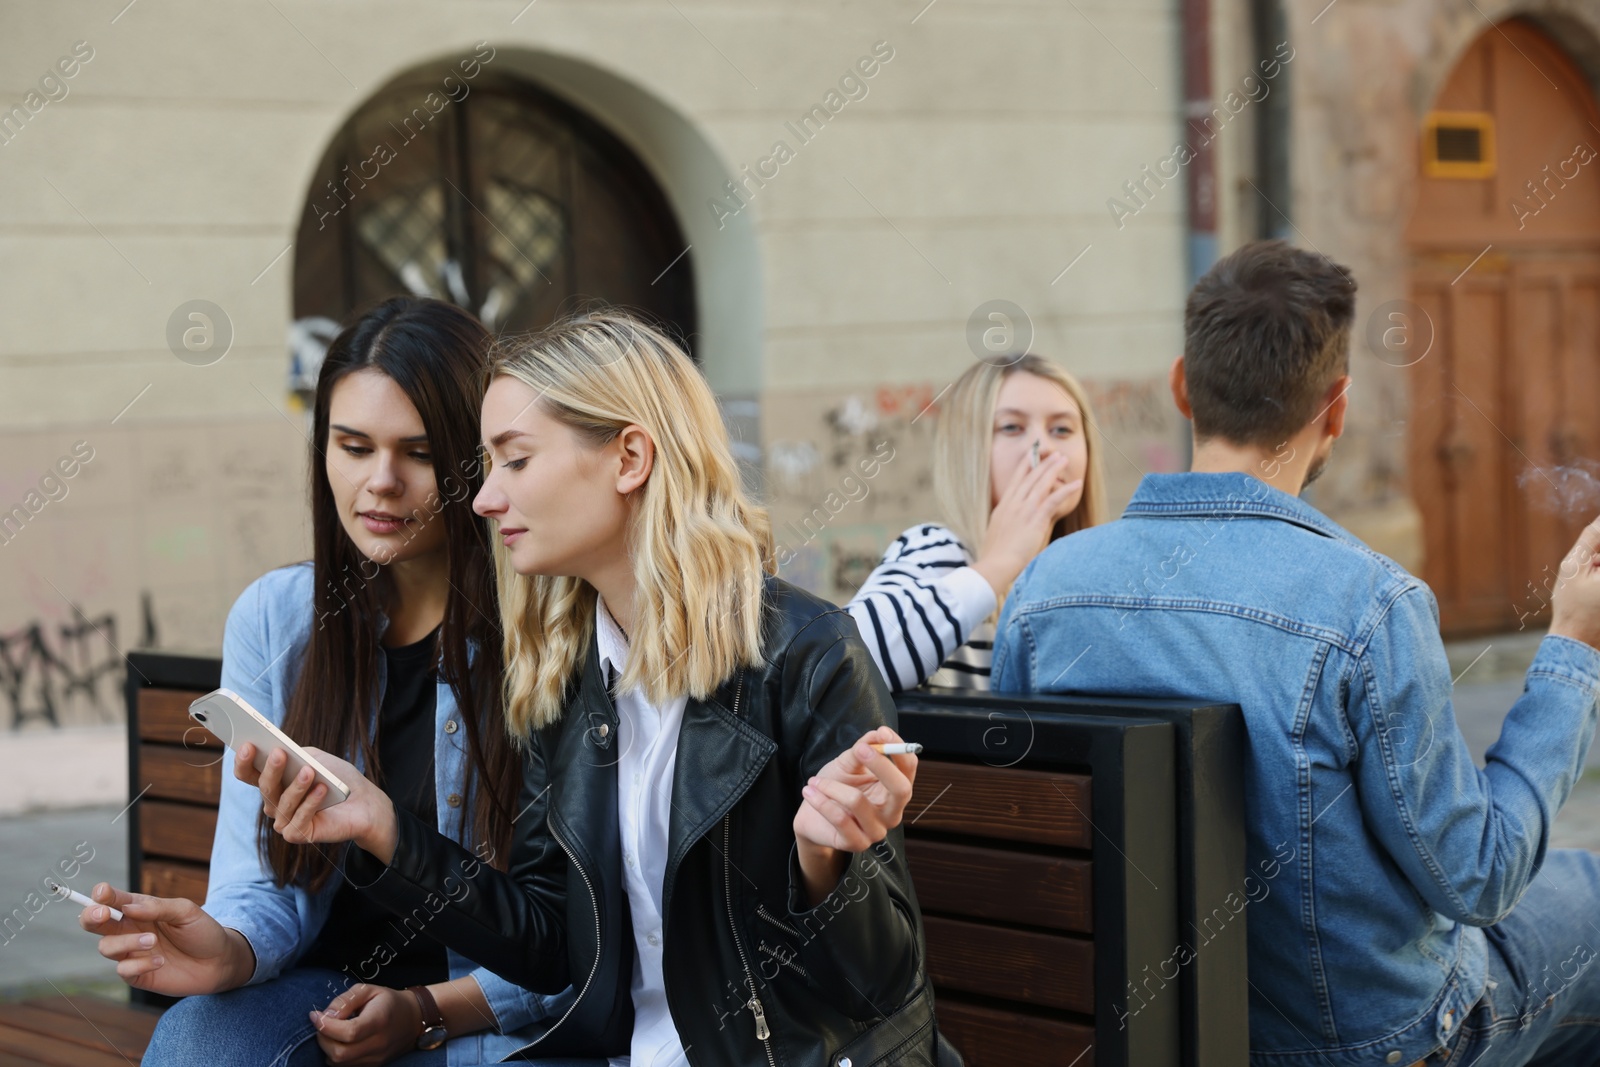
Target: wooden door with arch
<point x="1504" y="245"/>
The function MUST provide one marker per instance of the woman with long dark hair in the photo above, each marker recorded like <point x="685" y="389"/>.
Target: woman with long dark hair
<point x="384" y="648"/>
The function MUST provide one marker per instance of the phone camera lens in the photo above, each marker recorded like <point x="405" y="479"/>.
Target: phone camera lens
<point x="200" y="715"/>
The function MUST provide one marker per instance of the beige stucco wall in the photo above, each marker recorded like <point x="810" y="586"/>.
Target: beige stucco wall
<point x="976" y="167"/>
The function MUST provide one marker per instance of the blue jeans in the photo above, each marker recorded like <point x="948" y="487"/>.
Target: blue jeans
<point x="1542" y="1006"/>
<point x="266" y="1025"/>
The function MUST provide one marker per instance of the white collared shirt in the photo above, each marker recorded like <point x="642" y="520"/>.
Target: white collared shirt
<point x="647" y="748"/>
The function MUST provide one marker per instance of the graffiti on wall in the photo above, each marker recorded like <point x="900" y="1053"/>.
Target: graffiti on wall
<point x="45" y="671"/>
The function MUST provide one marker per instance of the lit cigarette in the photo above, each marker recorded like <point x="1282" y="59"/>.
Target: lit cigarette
<point x="1033" y="460"/>
<point x="78" y="898"/>
<point x="898" y="748"/>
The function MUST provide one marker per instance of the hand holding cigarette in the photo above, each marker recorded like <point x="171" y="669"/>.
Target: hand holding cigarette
<point x="850" y="805"/>
<point x="166" y="945"/>
<point x="78" y="898"/>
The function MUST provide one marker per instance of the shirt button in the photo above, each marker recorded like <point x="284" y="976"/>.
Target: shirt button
<point x="450" y="726"/>
<point x="454" y="800"/>
<point x="1393" y="1057"/>
<point x="653" y="938"/>
<point x="605" y="729"/>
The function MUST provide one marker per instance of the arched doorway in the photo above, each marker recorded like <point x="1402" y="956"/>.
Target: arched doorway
<point x="485" y="190"/>
<point x="1505" y="263"/>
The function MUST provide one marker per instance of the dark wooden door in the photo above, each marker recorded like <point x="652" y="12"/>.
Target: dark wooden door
<point x="1505" y="254"/>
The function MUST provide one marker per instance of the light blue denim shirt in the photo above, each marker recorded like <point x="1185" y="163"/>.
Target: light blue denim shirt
<point x="1376" y="848"/>
<point x="266" y="635"/>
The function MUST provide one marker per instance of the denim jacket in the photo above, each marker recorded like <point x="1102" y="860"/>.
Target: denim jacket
<point x="1376" y="848"/>
<point x="266" y="635"/>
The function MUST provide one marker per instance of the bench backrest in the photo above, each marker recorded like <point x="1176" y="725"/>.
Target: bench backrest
<point x="1061" y="851"/>
<point x="175" y="771"/>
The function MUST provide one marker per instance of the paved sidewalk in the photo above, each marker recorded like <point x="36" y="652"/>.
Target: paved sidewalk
<point x="46" y="952"/>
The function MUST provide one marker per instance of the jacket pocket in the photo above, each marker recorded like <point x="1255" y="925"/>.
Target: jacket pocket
<point x="904" y="1039"/>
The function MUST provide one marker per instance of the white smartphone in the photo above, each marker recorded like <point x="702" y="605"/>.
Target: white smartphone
<point x="231" y="720"/>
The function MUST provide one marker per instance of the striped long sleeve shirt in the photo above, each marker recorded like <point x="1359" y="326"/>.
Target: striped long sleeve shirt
<point x="923" y="612"/>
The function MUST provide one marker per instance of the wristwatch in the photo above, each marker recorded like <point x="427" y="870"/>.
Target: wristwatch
<point x="433" y="1032"/>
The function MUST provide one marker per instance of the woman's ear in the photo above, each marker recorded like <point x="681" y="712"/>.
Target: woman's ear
<point x="638" y="458"/>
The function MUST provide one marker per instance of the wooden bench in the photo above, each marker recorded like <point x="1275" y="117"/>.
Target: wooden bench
<point x="175" y="771"/>
<point x="74" y="1031"/>
<point x="1062" y="849"/>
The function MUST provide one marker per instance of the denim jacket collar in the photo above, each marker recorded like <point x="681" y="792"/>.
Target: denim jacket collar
<point x="1197" y="495"/>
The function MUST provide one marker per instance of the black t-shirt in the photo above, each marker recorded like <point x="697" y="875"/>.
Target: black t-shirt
<point x="361" y="938"/>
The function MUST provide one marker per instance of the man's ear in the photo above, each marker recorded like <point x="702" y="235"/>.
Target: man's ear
<point x="638" y="458"/>
<point x="1338" y="404"/>
<point x="1180" y="388"/>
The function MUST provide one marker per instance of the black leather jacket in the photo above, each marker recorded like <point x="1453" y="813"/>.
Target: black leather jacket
<point x="753" y="976"/>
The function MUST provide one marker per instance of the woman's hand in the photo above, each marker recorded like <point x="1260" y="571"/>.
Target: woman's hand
<point x="851" y="805"/>
<point x="368" y="1025"/>
<point x="167" y="945"/>
<point x="1020" y="524"/>
<point x="365" y="817"/>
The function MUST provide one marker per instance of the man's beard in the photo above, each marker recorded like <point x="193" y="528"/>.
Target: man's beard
<point x="1317" y="467"/>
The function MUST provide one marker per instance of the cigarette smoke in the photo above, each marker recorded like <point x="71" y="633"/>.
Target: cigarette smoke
<point x="1570" y="489"/>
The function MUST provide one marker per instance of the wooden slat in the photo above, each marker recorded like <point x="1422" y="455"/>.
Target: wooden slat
<point x="164" y="716"/>
<point x="182" y="831"/>
<point x="1044" y="969"/>
<point x="987" y="1037"/>
<point x="1002" y="802"/>
<point x="990" y="883"/>
<point x="170" y="878"/>
<point x="176" y="773"/>
<point x="123" y="1029"/>
<point x="44" y="1051"/>
<point x="137" y="1017"/>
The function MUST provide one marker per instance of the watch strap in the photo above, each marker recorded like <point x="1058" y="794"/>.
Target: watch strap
<point x="432" y="1017"/>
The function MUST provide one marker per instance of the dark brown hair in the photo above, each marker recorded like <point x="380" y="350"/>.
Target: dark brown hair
<point x="438" y="355"/>
<point x="1266" y="332"/>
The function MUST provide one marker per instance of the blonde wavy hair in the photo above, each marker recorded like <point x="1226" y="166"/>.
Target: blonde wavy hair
<point x="700" y="548"/>
<point x="964" y="443"/>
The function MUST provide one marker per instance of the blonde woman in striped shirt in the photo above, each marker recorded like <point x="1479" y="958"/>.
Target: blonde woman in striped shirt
<point x="1015" y="466"/>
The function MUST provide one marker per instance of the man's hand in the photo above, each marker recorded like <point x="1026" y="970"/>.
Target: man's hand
<point x="167" y="945"/>
<point x="1575" y="604"/>
<point x="851" y="805"/>
<point x="368" y="1025"/>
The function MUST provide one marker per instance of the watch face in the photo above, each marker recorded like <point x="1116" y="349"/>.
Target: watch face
<point x="432" y="1038"/>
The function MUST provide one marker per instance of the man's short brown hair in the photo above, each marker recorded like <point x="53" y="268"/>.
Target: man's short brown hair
<point x="1266" y="332"/>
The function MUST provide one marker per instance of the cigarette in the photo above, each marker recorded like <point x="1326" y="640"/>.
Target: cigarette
<point x="898" y="748"/>
<point x="1033" y="460"/>
<point x="78" y="898"/>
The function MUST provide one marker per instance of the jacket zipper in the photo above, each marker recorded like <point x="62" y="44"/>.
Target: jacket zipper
<point x="594" y="908"/>
<point x="761" y="910"/>
<point x="787" y="961"/>
<point x="763" y="1032"/>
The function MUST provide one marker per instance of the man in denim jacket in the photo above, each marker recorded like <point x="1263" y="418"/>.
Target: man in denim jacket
<point x="1412" y="910"/>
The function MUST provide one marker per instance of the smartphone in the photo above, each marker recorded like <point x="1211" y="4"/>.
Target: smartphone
<point x="231" y="720"/>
